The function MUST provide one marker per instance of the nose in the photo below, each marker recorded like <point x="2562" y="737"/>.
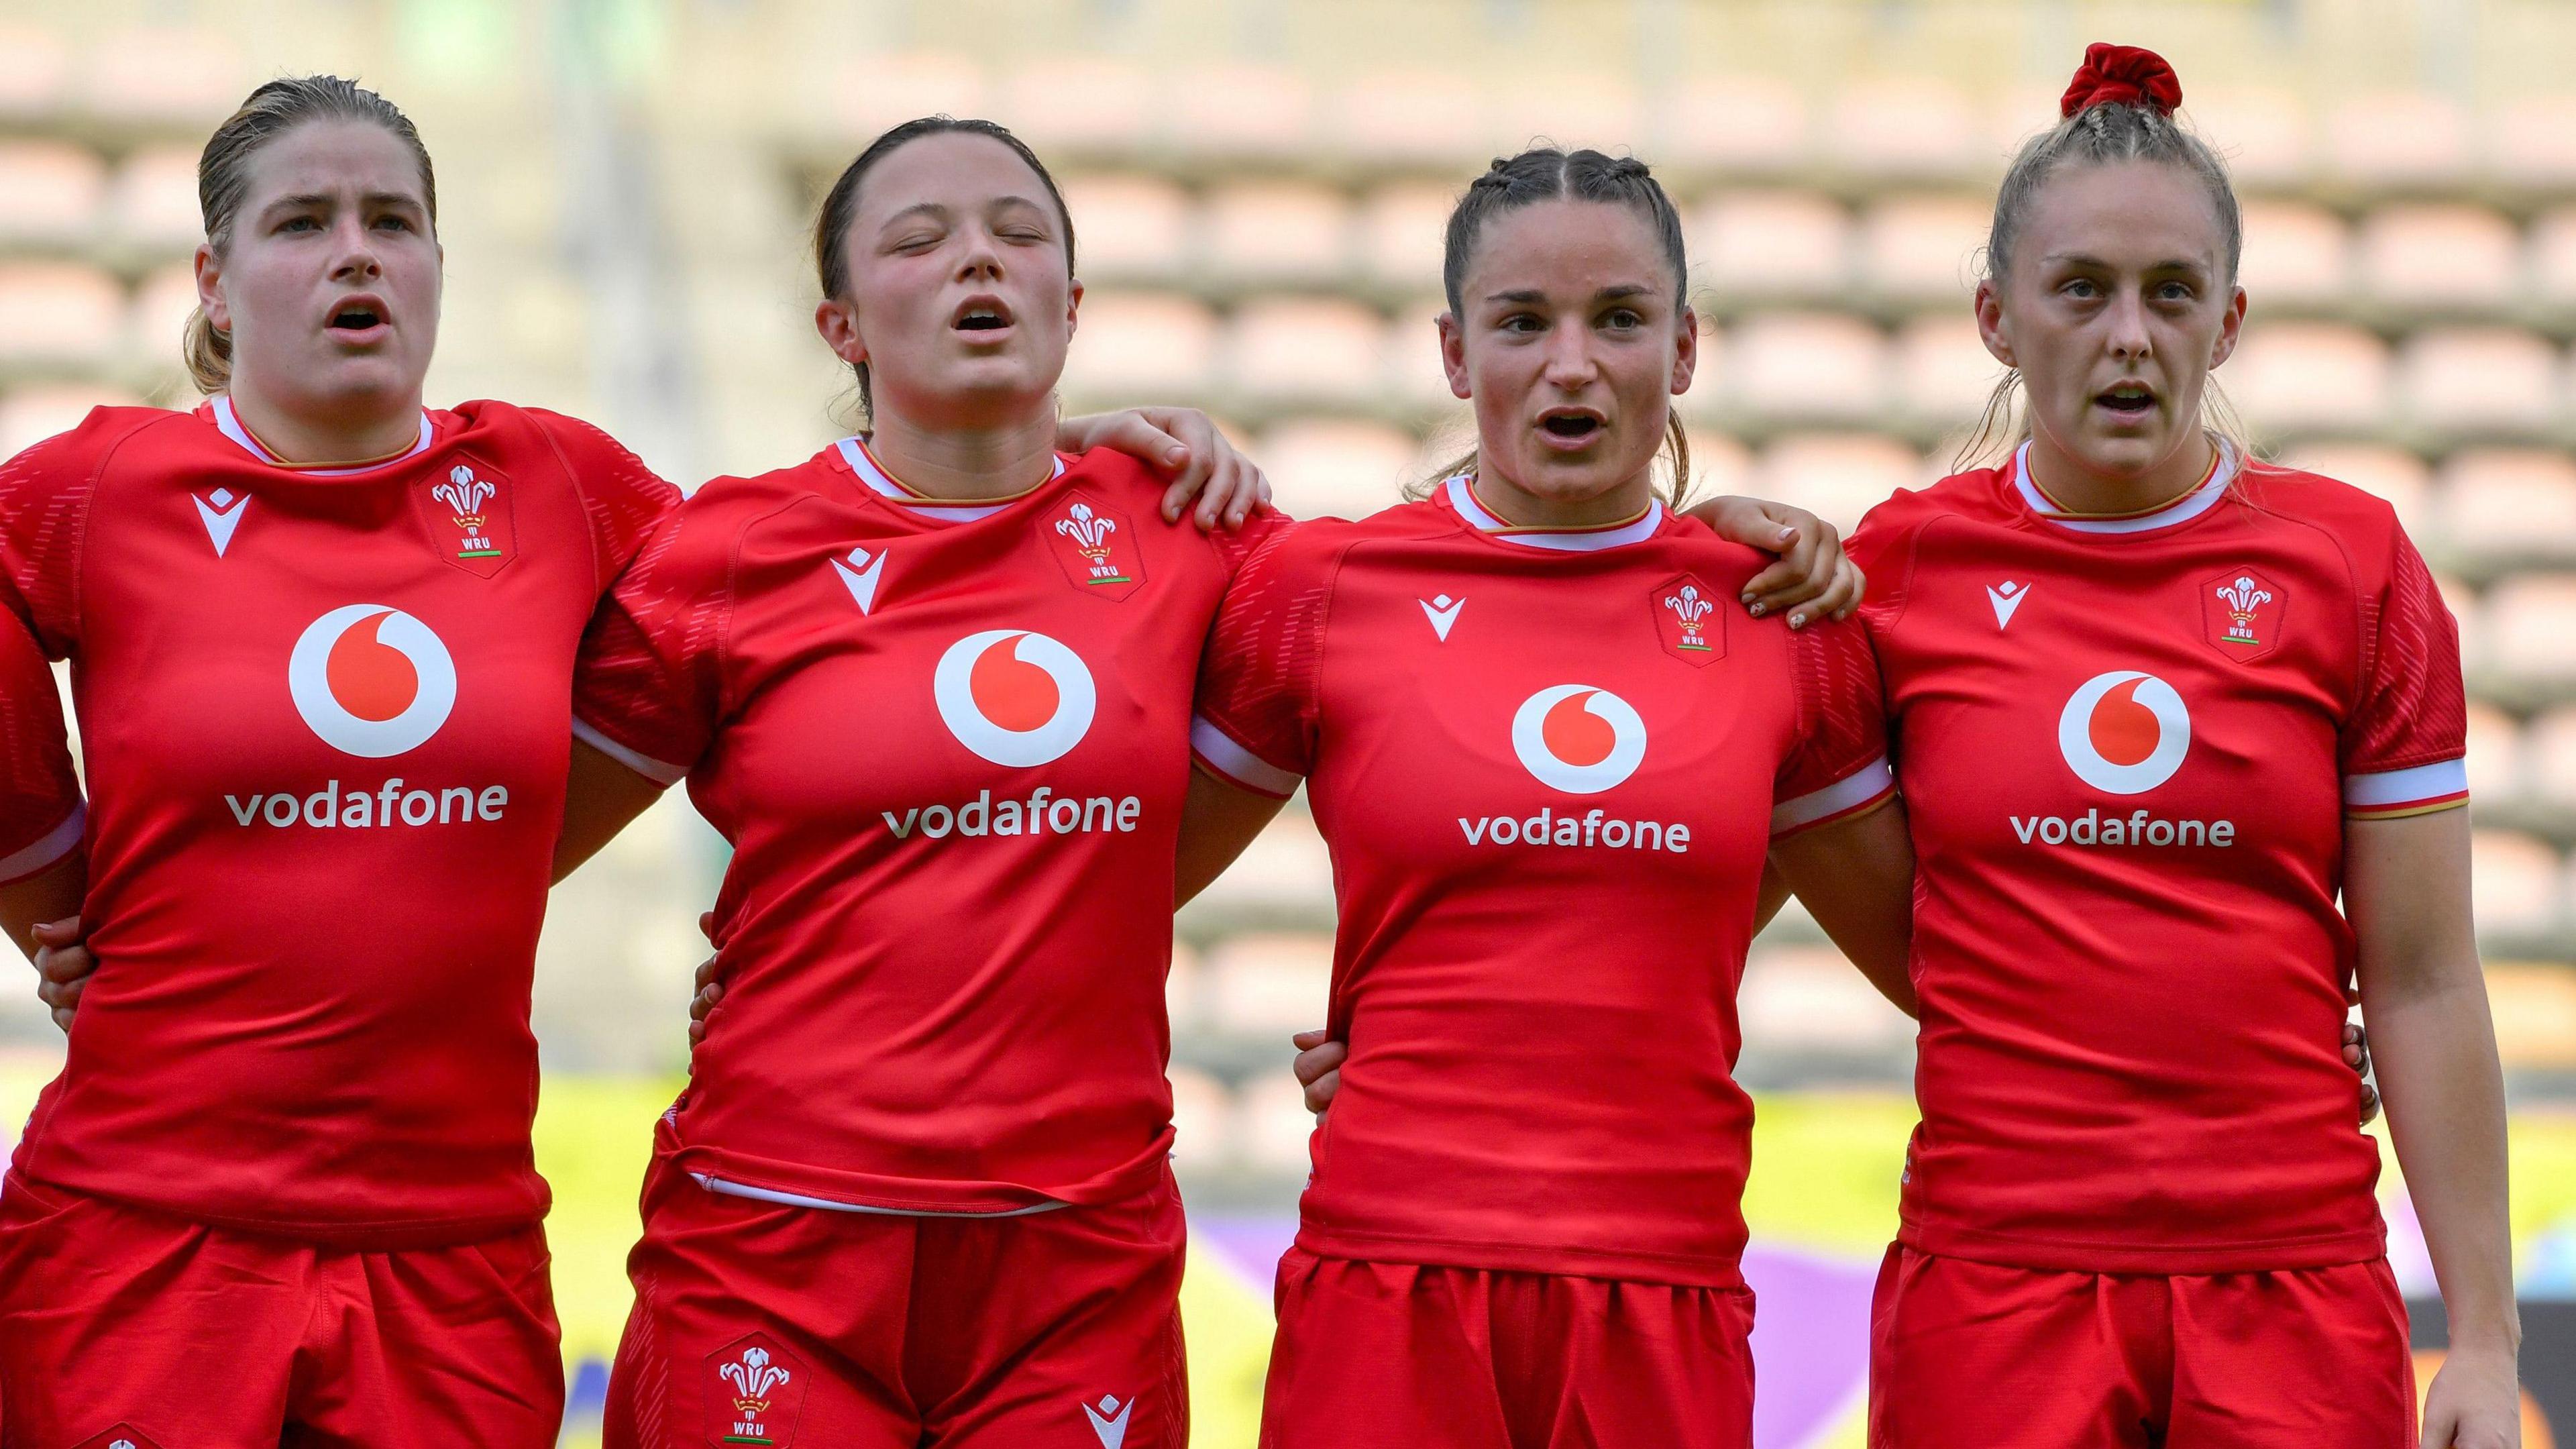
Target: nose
<point x="1570" y="361"/>
<point x="356" y="260"/>
<point x="2127" y="328"/>
<point x="982" y="260"/>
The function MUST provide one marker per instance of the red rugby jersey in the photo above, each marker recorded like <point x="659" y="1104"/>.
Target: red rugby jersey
<point x="2128" y="747"/>
<point x="326" y="715"/>
<point x="41" y="816"/>
<point x="949" y="745"/>
<point x="1548" y="765"/>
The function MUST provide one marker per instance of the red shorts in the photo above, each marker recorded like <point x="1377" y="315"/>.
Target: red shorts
<point x="1969" y="1354"/>
<point x="1464" y="1358"/>
<point x="760" y="1323"/>
<point x="119" y="1322"/>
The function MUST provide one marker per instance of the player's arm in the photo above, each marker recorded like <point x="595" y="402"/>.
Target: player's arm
<point x="601" y="797"/>
<point x="1811" y="579"/>
<point x="1856" y="877"/>
<point x="2406" y="888"/>
<point x="1218" y="820"/>
<point x="1185" y="446"/>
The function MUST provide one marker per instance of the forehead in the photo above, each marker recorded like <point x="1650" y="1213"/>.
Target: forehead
<point x="955" y="169"/>
<point x="334" y="158"/>
<point x="1562" y="245"/>
<point x="2126" y="211"/>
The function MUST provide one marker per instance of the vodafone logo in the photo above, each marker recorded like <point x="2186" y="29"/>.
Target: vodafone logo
<point x="371" y="680"/>
<point x="1014" y="697"/>
<point x="2124" y="732"/>
<point x="1577" y="738"/>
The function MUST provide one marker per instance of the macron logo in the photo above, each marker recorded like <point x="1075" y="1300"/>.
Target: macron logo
<point x="861" y="573"/>
<point x="2006" y="597"/>
<point x="222" y="511"/>
<point x="1442" y="611"/>
<point x="1109" y="1421"/>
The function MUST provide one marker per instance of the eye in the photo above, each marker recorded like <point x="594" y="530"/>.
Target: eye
<point x="1026" y="235"/>
<point x="299" y="223"/>
<point x="1520" y="322"/>
<point x="1624" y="318"/>
<point x="398" y="223"/>
<point x="2082" y="289"/>
<point x="2174" y="292"/>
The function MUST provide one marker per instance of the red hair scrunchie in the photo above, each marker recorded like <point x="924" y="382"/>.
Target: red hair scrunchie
<point x="2126" y="74"/>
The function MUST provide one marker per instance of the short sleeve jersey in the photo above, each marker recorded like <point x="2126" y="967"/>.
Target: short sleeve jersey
<point x="2128" y="747"/>
<point x="949" y="745"/>
<point x="1549" y="766"/>
<point x="326" y="716"/>
<point x="41" y="815"/>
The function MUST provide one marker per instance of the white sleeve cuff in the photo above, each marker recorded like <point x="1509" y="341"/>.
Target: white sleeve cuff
<point x="2404" y="792"/>
<point x="1218" y="751"/>
<point x="1864" y="786"/>
<point x="644" y="765"/>
<point x="52" y="846"/>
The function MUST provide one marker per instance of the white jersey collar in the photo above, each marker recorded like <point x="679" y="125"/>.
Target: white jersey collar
<point x="854" y="451"/>
<point x="231" y="427"/>
<point x="2198" y="501"/>
<point x="1590" y="540"/>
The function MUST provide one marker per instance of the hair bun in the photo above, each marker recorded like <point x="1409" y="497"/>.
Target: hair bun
<point x="2122" y="75"/>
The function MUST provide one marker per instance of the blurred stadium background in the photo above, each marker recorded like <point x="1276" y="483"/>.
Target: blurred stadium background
<point x="1259" y="187"/>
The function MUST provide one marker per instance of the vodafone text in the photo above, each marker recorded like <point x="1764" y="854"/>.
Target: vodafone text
<point x="388" y="804"/>
<point x="2094" y="829"/>
<point x="1549" y="828"/>
<point x="981" y="816"/>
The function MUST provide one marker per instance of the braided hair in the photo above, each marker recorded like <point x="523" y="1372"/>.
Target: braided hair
<point x="1546" y="173"/>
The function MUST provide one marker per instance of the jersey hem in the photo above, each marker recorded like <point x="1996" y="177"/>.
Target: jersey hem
<point x="832" y="1188"/>
<point x="1553" y="1260"/>
<point x="2179" y="1259"/>
<point x="372" y="1235"/>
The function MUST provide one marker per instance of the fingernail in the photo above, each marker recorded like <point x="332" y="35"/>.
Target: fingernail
<point x="1797" y="621"/>
<point x="1757" y="611"/>
<point x="1746" y="597"/>
<point x="1175" y="454"/>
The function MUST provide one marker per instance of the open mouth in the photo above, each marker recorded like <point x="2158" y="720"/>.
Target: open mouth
<point x="357" y="315"/>
<point x="981" y="314"/>
<point x="2130" y="398"/>
<point x="1570" y="425"/>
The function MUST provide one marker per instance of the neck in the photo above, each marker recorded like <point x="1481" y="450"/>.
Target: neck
<point x="2080" y="489"/>
<point x="1522" y="508"/>
<point x="354" y="432"/>
<point x="994" y="462"/>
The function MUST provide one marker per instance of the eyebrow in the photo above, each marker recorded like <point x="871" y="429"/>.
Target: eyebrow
<point x="324" y="198"/>
<point x="937" y="209"/>
<point x="2170" y="264"/>
<point x="1606" y="294"/>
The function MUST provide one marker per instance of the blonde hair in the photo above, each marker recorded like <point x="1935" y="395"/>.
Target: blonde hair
<point x="223" y="179"/>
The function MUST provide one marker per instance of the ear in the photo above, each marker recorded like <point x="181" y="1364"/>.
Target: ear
<point x="838" y="321"/>
<point x="1990" y="323"/>
<point x="1453" y="355"/>
<point x="2230" y="329"/>
<point x="1685" y="350"/>
<point x="1073" y="308"/>
<point x="210" y="294"/>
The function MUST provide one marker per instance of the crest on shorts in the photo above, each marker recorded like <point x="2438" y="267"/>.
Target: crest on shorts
<point x="1688" y="620"/>
<point x="2242" y="611"/>
<point x="467" y="510"/>
<point x="755" y="1389"/>
<point x="123" y="1436"/>
<point x="1097" y="546"/>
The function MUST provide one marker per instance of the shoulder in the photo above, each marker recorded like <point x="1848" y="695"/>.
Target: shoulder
<point x="98" y="436"/>
<point x="2316" y="499"/>
<point x="1122" y="477"/>
<point x="1693" y="545"/>
<point x="1906" y="511"/>
<point x="595" y="459"/>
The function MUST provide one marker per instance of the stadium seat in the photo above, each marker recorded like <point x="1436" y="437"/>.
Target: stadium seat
<point x="1402" y="230"/>
<point x="2514" y="883"/>
<point x="1267" y="984"/>
<point x="35" y="72"/>
<point x="1572" y="111"/>
<point x="1767" y="244"/>
<point x="1809" y="998"/>
<point x="51" y="192"/>
<point x="33" y="414"/>
<point x="1720" y="464"/>
<point x="2441" y="255"/>
<point x="878" y="90"/>
<point x="2480" y="379"/>
<point x="1737" y="124"/>
<point x="1913" y="127"/>
<point x="158" y="75"/>
<point x="1245" y="112"/>
<point x="157" y="319"/>
<point x="2296" y="252"/>
<point x="2530" y="626"/>
<point x="2534" y="1006"/>
<point x="2391" y="473"/>
<point x="1182" y="987"/>
<point x="1839" y="476"/>
<point x="1272" y="1126"/>
<point x="1307" y="349"/>
<point x="2264" y="134"/>
<point x="2531" y="142"/>
<point x="1285" y="871"/>
<point x="1925" y="248"/>
<point x="2551" y="250"/>
<point x="59" y="314"/>
<point x="1944" y="374"/>
<point x="1090" y="104"/>
<point x="153" y="200"/>
<point x="2469" y="611"/>
<point x="1337" y="468"/>
<point x="2397" y="138"/>
<point x="1142" y="347"/>
<point x="1433" y="118"/>
<point x="1129" y="227"/>
<point x="2293" y="376"/>
<point x="1278" y="231"/>
<point x="1203" y="1138"/>
<point x="2495" y="758"/>
<point x="1411" y="364"/>
<point x="2546" y="757"/>
<point x="1807" y="365"/>
<point x="2510" y="501"/>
